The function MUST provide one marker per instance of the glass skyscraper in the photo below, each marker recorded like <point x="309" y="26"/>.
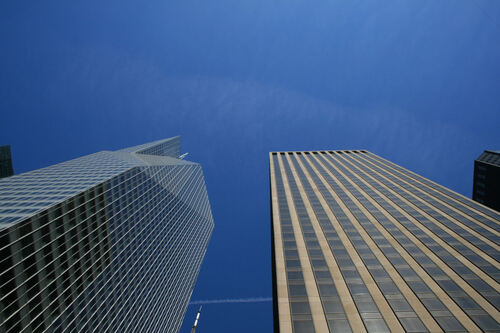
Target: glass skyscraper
<point x="109" y="242"/>
<point x="486" y="188"/>
<point x="5" y="162"/>
<point x="363" y="245"/>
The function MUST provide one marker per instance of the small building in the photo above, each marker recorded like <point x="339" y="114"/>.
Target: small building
<point x="6" y="169"/>
<point x="486" y="188"/>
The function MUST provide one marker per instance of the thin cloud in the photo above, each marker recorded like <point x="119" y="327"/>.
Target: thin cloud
<point x="232" y="300"/>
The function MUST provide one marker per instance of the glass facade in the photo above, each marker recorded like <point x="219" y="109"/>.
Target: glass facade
<point x="6" y="169"/>
<point x="486" y="188"/>
<point x="363" y="245"/>
<point x="109" y="242"/>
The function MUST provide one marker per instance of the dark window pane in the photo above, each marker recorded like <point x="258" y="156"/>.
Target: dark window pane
<point x="449" y="324"/>
<point x="333" y="306"/>
<point x="412" y="325"/>
<point x="366" y="306"/>
<point x="376" y="326"/>
<point x="291" y="263"/>
<point x="358" y="289"/>
<point x="297" y="290"/>
<point x="303" y="326"/>
<point x="300" y="307"/>
<point x="323" y="275"/>
<point x="466" y="303"/>
<point x="295" y="275"/>
<point x="433" y="304"/>
<point x="318" y="263"/>
<point x="400" y="305"/>
<point x="339" y="325"/>
<point x="327" y="290"/>
<point x="486" y="323"/>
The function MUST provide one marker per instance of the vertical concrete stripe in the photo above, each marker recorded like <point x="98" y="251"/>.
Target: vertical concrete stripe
<point x="284" y="316"/>
<point x="468" y="324"/>
<point x="431" y="191"/>
<point x="444" y="244"/>
<point x="348" y="303"/>
<point x="440" y="293"/>
<point x="318" y="314"/>
<point x="410" y="296"/>
<point x="487" y="306"/>
<point x="441" y="190"/>
<point x="384" y="307"/>
<point x="437" y="198"/>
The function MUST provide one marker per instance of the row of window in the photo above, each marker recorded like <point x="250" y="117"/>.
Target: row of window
<point x="443" y="193"/>
<point x="120" y="212"/>
<point x="435" y="221"/>
<point x="327" y="291"/>
<point x="435" y="201"/>
<point x="154" y="252"/>
<point x="450" y="260"/>
<point x="388" y="288"/>
<point x="299" y="305"/>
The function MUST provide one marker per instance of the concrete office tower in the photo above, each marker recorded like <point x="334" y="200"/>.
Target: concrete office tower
<point x="363" y="245"/>
<point x="5" y="162"/>
<point x="109" y="242"/>
<point x="487" y="179"/>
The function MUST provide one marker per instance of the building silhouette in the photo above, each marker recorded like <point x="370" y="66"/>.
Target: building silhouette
<point x="109" y="242"/>
<point x="486" y="188"/>
<point x="6" y="169"/>
<point x="361" y="244"/>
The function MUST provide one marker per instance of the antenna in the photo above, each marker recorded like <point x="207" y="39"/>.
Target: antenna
<point x="183" y="155"/>
<point x="196" y="320"/>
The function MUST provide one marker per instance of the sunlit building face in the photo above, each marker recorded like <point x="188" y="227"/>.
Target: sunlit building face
<point x="363" y="245"/>
<point x="109" y="242"/>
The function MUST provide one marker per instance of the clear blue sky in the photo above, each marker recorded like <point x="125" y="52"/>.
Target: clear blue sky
<point x="417" y="82"/>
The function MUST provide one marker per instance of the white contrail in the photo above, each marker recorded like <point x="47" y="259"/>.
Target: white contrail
<point x="233" y="300"/>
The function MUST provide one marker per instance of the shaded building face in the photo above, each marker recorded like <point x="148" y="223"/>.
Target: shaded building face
<point x="6" y="169"/>
<point x="363" y="245"/>
<point x="109" y="242"/>
<point x="486" y="188"/>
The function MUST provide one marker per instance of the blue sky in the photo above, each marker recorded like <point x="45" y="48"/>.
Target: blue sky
<point x="417" y="82"/>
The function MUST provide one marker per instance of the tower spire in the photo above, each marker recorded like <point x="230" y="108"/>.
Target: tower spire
<point x="196" y="320"/>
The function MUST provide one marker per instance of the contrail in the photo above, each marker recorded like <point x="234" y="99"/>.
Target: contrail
<point x="233" y="300"/>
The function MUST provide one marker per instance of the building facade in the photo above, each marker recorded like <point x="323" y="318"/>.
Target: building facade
<point x="6" y="169"/>
<point x="486" y="188"/>
<point x="363" y="245"/>
<point x="109" y="242"/>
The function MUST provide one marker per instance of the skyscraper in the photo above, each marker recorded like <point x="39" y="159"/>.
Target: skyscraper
<point x="487" y="179"/>
<point x="5" y="162"/>
<point x="109" y="242"/>
<point x="363" y="245"/>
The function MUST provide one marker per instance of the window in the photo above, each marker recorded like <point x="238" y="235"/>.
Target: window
<point x="327" y="289"/>
<point x="295" y="275"/>
<point x="301" y="307"/>
<point x="412" y="325"/>
<point x="333" y="305"/>
<point x="303" y="326"/>
<point x="486" y="323"/>
<point x="323" y="275"/>
<point x="297" y="290"/>
<point x="318" y="263"/>
<point x="376" y="325"/>
<point x="292" y="263"/>
<point x="339" y="325"/>
<point x="449" y="323"/>
<point x="400" y="305"/>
